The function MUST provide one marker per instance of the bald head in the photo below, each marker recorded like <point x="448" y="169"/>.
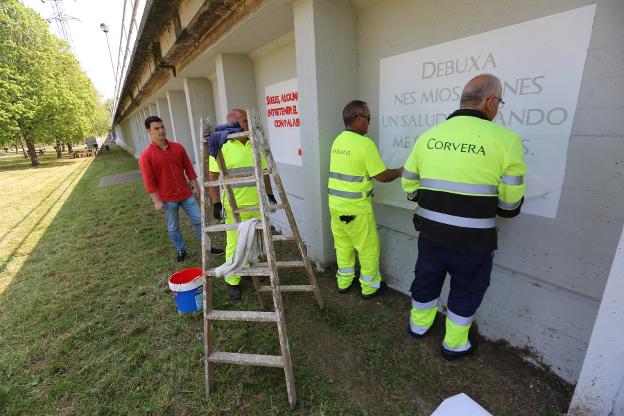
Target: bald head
<point x="483" y="93"/>
<point x="236" y="114"/>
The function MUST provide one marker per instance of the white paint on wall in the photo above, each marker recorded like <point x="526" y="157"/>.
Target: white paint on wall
<point x="419" y="89"/>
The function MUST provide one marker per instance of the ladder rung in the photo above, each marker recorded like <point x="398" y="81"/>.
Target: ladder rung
<point x="246" y="359"/>
<point x="284" y="264"/>
<point x="238" y="135"/>
<point x="249" y="271"/>
<point x="232" y="181"/>
<point x="283" y="237"/>
<point x="289" y="288"/>
<point x="256" y="208"/>
<point x="249" y="316"/>
<point x="227" y="227"/>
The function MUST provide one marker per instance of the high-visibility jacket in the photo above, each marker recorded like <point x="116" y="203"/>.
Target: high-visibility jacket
<point x="238" y="158"/>
<point x="465" y="171"/>
<point x="354" y="160"/>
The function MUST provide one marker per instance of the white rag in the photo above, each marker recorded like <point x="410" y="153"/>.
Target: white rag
<point x="248" y="248"/>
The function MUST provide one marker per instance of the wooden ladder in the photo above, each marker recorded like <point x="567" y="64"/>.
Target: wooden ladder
<point x="260" y="147"/>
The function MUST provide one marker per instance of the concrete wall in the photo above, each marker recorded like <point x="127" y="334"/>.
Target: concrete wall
<point x="549" y="273"/>
<point x="273" y="63"/>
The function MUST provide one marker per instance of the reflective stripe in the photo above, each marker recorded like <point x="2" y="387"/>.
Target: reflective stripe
<point x="420" y="330"/>
<point x="376" y="285"/>
<point x="459" y="320"/>
<point x="410" y="175"/>
<point x="346" y="178"/>
<point x="243" y="185"/>
<point x="245" y="169"/>
<point x="345" y="194"/>
<point x="512" y="180"/>
<point x="467" y="188"/>
<point x="367" y="278"/>
<point x="425" y="306"/>
<point x="347" y="270"/>
<point x="460" y="348"/>
<point x="350" y="195"/>
<point x="455" y="220"/>
<point x="508" y="205"/>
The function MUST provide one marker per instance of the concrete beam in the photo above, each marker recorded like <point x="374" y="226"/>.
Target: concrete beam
<point x="236" y="80"/>
<point x="326" y="39"/>
<point x="180" y="122"/>
<point x="199" y="103"/>
<point x="600" y="388"/>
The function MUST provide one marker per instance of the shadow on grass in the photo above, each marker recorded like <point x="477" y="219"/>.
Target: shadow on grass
<point x="88" y="326"/>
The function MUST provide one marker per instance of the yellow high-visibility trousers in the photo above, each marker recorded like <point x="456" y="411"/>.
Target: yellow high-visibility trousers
<point x="232" y="239"/>
<point x="358" y="234"/>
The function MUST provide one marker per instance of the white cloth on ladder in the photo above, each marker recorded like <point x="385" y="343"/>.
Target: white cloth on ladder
<point x="248" y="248"/>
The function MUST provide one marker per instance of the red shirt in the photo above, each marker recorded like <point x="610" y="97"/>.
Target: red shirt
<point x="163" y="171"/>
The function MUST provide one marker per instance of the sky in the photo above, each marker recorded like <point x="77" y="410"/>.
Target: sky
<point x="88" y="42"/>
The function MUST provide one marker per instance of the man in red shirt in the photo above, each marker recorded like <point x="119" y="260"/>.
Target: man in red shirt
<point x="165" y="167"/>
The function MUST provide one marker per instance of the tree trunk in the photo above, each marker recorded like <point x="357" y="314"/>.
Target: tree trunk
<point x="33" y="153"/>
<point x="24" y="150"/>
<point x="59" y="153"/>
<point x="69" y="148"/>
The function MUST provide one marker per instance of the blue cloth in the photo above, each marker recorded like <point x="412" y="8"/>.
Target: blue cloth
<point x="172" y="217"/>
<point x="219" y="137"/>
<point x="470" y="276"/>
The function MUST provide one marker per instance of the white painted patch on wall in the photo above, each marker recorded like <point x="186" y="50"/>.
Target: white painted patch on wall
<point x="282" y="112"/>
<point x="540" y="63"/>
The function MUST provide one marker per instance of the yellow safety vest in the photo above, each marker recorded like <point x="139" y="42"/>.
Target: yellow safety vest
<point x="238" y="158"/>
<point x="354" y="160"/>
<point x="466" y="171"/>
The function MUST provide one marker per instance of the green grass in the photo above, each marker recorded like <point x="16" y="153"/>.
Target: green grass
<point x="88" y="326"/>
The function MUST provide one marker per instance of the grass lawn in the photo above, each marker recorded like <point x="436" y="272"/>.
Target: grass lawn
<point x="88" y="326"/>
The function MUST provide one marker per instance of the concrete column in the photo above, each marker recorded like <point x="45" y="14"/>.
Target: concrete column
<point x="600" y="388"/>
<point x="162" y="105"/>
<point x="146" y="137"/>
<point x="326" y="39"/>
<point x="180" y="122"/>
<point x="199" y="103"/>
<point x="153" y="111"/>
<point x="139" y="134"/>
<point x="236" y="80"/>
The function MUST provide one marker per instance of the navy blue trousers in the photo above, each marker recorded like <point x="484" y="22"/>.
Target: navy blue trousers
<point x="470" y="276"/>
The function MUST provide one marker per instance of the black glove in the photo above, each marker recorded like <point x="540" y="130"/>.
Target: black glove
<point x="272" y="199"/>
<point x="413" y="196"/>
<point x="217" y="210"/>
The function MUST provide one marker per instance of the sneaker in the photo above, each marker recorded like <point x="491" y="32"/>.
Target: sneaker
<point x="454" y="355"/>
<point x="234" y="291"/>
<point x="378" y="292"/>
<point x="216" y="251"/>
<point x="181" y="256"/>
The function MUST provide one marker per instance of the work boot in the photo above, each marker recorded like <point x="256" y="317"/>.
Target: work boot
<point x="345" y="289"/>
<point x="415" y="334"/>
<point x="216" y="251"/>
<point x="181" y="256"/>
<point x="378" y="292"/>
<point x="234" y="291"/>
<point x="455" y="355"/>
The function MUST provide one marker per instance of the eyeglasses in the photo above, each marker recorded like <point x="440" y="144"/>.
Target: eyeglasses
<point x="501" y="103"/>
<point x="367" y="117"/>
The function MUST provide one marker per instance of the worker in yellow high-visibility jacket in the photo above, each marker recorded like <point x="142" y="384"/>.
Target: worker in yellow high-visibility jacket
<point x="354" y="162"/>
<point x="238" y="158"/>
<point x="463" y="173"/>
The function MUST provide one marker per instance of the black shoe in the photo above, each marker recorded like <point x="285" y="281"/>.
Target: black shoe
<point x="217" y="251"/>
<point x="181" y="256"/>
<point x="415" y="334"/>
<point x="455" y="355"/>
<point x="234" y="291"/>
<point x="378" y="292"/>
<point x="346" y="289"/>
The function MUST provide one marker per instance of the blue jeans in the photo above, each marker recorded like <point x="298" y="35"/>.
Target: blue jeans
<point x="172" y="217"/>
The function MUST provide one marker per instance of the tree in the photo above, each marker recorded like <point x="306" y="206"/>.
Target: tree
<point x="45" y="94"/>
